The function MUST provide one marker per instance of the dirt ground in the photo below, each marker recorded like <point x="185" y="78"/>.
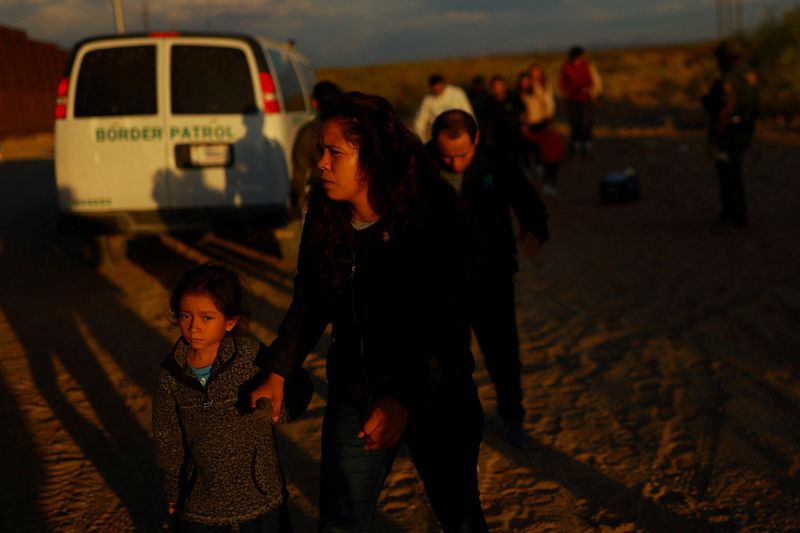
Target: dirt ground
<point x="660" y="357"/>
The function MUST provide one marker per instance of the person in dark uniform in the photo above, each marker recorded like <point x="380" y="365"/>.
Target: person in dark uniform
<point x="732" y="106"/>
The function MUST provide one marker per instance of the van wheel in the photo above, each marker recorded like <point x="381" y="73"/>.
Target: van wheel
<point x="100" y="250"/>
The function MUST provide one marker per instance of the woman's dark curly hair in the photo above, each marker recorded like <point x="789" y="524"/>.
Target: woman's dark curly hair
<point x="399" y="172"/>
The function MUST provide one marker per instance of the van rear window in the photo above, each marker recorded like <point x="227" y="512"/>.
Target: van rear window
<point x="290" y="85"/>
<point x="117" y="81"/>
<point x="305" y="72"/>
<point x="210" y="80"/>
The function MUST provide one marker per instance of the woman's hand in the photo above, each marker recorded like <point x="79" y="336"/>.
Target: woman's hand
<point x="385" y="424"/>
<point x="272" y="388"/>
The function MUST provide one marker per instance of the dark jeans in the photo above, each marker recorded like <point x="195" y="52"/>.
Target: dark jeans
<point x="445" y="453"/>
<point x="580" y="116"/>
<point x="275" y="521"/>
<point x="551" y="173"/>
<point x="495" y="327"/>
<point x="731" y="189"/>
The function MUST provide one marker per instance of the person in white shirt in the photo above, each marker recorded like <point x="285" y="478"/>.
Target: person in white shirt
<point x="540" y="103"/>
<point x="443" y="97"/>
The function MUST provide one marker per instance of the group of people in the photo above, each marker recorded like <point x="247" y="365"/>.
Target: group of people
<point x="519" y="122"/>
<point x="407" y="247"/>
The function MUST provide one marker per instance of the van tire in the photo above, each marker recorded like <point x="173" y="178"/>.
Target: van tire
<point x="95" y="251"/>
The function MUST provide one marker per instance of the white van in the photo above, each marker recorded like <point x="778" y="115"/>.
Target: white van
<point x="170" y="131"/>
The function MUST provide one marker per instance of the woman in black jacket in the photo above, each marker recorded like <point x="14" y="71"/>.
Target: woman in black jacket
<point x="386" y="257"/>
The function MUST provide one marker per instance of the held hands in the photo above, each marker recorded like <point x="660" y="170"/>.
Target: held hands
<point x="272" y="388"/>
<point x="173" y="517"/>
<point x="385" y="424"/>
<point x="530" y="244"/>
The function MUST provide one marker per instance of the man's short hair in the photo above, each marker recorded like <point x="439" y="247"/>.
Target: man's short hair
<point x="575" y="52"/>
<point x="325" y="92"/>
<point x="435" y="79"/>
<point x="455" y="123"/>
<point x="731" y="51"/>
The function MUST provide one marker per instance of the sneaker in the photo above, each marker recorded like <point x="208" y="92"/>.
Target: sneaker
<point x="518" y="437"/>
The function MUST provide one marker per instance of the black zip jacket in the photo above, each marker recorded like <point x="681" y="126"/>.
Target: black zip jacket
<point x="491" y="184"/>
<point x="400" y="324"/>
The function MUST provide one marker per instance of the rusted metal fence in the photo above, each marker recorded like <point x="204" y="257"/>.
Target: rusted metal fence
<point x="29" y="73"/>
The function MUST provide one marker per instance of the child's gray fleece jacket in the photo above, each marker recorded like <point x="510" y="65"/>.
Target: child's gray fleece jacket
<point x="218" y="458"/>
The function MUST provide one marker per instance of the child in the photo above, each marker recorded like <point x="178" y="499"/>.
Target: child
<point x="219" y="459"/>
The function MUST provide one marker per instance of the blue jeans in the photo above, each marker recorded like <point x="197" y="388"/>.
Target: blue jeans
<point x="445" y="453"/>
<point x="351" y="477"/>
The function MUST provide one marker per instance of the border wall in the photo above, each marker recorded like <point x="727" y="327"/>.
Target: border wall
<point x="29" y="74"/>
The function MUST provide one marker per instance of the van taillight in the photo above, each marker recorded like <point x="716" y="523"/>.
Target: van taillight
<point x="268" y="89"/>
<point x="60" y="110"/>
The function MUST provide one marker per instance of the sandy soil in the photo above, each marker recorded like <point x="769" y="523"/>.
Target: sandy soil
<point x="661" y="368"/>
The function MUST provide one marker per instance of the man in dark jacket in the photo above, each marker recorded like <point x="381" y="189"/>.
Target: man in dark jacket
<point x="490" y="183"/>
<point x="305" y="156"/>
<point x="500" y="127"/>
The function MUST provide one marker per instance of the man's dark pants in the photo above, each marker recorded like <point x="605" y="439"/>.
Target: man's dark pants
<point x="495" y="327"/>
<point x="580" y="119"/>
<point x="731" y="189"/>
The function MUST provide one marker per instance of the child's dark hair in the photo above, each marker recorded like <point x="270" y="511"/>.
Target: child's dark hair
<point x="219" y="282"/>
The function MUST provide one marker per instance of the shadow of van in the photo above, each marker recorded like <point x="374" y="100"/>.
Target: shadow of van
<point x="251" y="208"/>
<point x="247" y="201"/>
<point x="91" y="240"/>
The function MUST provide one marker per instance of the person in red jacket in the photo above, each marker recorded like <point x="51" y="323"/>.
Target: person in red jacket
<point x="578" y="83"/>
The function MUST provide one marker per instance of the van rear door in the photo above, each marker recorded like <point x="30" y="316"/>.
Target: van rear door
<point x="295" y="100"/>
<point x="216" y="153"/>
<point x="113" y="123"/>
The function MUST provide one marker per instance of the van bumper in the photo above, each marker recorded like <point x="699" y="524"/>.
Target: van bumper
<point x="166" y="220"/>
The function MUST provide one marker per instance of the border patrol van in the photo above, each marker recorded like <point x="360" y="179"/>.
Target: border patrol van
<point x="170" y="131"/>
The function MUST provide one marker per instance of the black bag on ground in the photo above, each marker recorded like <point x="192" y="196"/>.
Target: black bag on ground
<point x="619" y="187"/>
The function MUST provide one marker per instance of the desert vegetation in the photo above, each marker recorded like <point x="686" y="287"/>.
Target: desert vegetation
<point x="777" y="46"/>
<point x="648" y="87"/>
